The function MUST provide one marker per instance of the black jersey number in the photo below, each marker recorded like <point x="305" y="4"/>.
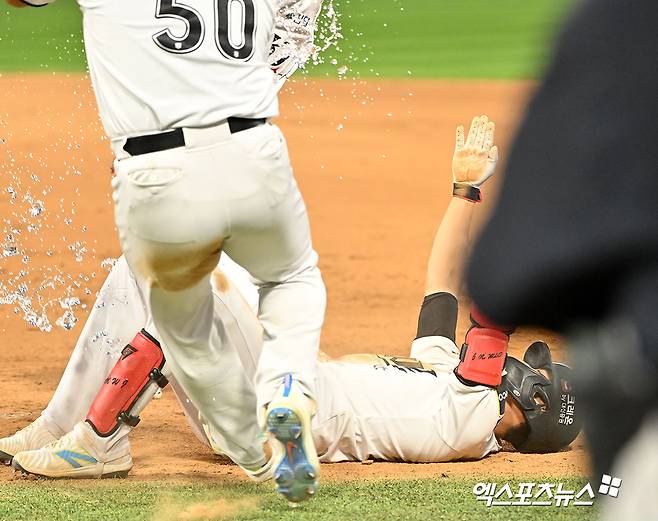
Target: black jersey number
<point x="194" y="27"/>
<point x="232" y="13"/>
<point x="235" y="22"/>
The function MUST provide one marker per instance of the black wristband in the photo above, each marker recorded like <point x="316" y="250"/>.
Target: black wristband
<point x="468" y="192"/>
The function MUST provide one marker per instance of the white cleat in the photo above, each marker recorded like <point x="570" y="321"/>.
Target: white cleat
<point x="295" y="460"/>
<point x="37" y="434"/>
<point x="79" y="454"/>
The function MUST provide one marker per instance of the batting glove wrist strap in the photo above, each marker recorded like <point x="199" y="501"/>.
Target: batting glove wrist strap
<point x="466" y="191"/>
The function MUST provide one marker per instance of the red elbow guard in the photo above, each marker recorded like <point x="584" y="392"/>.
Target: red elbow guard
<point x="140" y="364"/>
<point x="482" y="357"/>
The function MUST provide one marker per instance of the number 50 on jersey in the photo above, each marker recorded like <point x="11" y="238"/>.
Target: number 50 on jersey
<point x="234" y="28"/>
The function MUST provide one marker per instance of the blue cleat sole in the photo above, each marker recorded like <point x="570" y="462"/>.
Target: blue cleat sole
<point x="296" y="479"/>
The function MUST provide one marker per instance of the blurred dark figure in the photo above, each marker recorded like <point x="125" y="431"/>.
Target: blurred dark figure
<point x="573" y="242"/>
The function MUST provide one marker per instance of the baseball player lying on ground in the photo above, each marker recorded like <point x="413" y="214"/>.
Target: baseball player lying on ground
<point x="432" y="406"/>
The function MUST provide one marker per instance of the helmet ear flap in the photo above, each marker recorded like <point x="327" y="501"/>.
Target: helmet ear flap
<point x="538" y="356"/>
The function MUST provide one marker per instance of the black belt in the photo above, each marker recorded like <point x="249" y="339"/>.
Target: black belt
<point x="136" y="146"/>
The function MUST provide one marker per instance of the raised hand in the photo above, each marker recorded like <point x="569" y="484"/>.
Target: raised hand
<point x="474" y="160"/>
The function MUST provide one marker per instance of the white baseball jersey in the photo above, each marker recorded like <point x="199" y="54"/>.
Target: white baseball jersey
<point x="162" y="64"/>
<point x="402" y="409"/>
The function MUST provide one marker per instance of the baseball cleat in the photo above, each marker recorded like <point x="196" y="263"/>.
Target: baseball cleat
<point x="34" y="436"/>
<point x="295" y="460"/>
<point x="76" y="455"/>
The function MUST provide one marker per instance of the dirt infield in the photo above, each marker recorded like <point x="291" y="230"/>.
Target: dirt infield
<point x="373" y="162"/>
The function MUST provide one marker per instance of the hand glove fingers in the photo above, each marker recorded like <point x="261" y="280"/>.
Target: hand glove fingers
<point x="288" y="68"/>
<point x="489" y="135"/>
<point x="459" y="138"/>
<point x="493" y="154"/>
<point x="479" y="138"/>
<point x="470" y="140"/>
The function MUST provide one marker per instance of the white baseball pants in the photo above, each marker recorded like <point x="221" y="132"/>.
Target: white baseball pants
<point x="176" y="210"/>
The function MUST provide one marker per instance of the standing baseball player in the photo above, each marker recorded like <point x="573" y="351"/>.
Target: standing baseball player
<point x="185" y="93"/>
<point x="428" y="407"/>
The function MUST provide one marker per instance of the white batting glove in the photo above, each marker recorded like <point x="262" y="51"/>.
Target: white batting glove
<point x="294" y="31"/>
<point x="285" y="57"/>
<point x="474" y="161"/>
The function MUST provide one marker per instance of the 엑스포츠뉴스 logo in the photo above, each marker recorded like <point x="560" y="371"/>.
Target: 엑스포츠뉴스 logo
<point x="532" y="494"/>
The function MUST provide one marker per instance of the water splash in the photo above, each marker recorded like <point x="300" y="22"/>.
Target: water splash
<point x="98" y="335"/>
<point x="67" y="320"/>
<point x="329" y="28"/>
<point x="34" y="288"/>
<point x="108" y="263"/>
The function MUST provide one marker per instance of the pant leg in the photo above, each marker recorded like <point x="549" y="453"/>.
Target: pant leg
<point x="174" y="210"/>
<point x="243" y="329"/>
<point x="281" y="257"/>
<point x="118" y="313"/>
<point x="210" y="373"/>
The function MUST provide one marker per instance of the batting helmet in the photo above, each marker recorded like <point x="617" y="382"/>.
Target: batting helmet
<point x="548" y="404"/>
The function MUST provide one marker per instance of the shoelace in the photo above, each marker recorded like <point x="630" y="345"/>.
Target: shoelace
<point x="60" y="443"/>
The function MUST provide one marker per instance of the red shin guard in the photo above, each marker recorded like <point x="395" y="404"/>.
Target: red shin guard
<point x="483" y="354"/>
<point x="138" y="369"/>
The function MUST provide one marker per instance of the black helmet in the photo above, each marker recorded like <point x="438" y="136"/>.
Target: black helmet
<point x="554" y="420"/>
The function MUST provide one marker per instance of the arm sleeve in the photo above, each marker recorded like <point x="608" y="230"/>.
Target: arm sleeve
<point x="577" y="208"/>
<point x="438" y="316"/>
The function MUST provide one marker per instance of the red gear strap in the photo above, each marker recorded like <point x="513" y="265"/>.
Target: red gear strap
<point x="482" y="357"/>
<point x="484" y="352"/>
<point x="140" y="364"/>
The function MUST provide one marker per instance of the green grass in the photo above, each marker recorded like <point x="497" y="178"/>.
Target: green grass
<point x="385" y="38"/>
<point x="49" y="38"/>
<point x="419" y="500"/>
<point x="448" y="38"/>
